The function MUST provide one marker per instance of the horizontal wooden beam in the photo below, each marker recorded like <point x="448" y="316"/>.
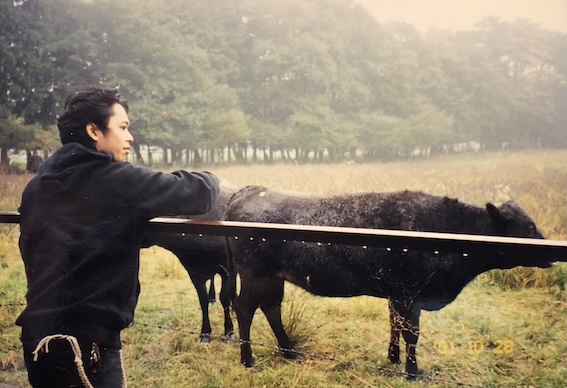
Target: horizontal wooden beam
<point x="9" y="217"/>
<point x="546" y="250"/>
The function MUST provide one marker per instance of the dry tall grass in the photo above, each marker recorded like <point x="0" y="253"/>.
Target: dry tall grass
<point x="490" y="336"/>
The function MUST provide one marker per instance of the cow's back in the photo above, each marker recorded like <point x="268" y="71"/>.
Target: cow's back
<point x="403" y="210"/>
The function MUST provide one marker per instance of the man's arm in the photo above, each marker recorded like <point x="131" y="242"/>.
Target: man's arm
<point x="177" y="193"/>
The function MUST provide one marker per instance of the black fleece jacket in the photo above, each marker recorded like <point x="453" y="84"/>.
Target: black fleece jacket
<point x="82" y="221"/>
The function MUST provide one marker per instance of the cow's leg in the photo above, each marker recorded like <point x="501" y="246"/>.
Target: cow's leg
<point x="404" y="319"/>
<point x="395" y="331"/>
<point x="226" y="297"/>
<point x="272" y="308"/>
<point x="410" y="333"/>
<point x="245" y="305"/>
<point x="199" y="281"/>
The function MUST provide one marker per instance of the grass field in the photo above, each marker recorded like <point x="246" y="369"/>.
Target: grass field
<point x="506" y="329"/>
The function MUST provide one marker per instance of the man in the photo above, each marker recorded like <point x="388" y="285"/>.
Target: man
<point x="82" y="222"/>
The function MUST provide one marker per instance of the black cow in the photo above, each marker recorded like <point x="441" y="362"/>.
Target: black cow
<point x="411" y="280"/>
<point x="203" y="257"/>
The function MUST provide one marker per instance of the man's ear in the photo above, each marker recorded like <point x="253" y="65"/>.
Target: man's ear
<point x="92" y="131"/>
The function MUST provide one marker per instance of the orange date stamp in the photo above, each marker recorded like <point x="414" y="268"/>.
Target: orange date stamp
<point x="474" y="347"/>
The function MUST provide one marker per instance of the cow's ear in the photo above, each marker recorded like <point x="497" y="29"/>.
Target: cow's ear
<point x="496" y="215"/>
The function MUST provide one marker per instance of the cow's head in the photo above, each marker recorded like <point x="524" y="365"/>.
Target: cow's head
<point x="512" y="221"/>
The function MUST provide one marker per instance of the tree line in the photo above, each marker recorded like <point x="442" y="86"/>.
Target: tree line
<point x="294" y="80"/>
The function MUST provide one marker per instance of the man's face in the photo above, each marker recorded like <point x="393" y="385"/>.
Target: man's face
<point x="118" y="138"/>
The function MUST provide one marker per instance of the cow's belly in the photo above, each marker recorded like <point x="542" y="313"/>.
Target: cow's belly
<point x="434" y="305"/>
<point x="341" y="284"/>
<point x="344" y="286"/>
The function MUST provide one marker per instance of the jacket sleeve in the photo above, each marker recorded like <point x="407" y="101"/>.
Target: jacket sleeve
<point x="177" y="193"/>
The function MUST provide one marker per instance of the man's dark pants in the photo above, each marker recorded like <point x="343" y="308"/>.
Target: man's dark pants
<point x="58" y="369"/>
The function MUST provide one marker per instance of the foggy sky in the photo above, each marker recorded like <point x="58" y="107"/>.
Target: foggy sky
<point x="463" y="14"/>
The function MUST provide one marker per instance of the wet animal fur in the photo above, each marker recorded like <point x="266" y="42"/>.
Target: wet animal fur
<point x="411" y="281"/>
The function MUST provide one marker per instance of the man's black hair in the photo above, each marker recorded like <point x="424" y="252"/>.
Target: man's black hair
<point x="91" y="105"/>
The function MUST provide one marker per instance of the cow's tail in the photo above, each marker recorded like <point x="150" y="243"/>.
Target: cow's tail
<point x="231" y="270"/>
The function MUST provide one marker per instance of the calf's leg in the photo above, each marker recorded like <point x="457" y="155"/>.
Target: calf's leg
<point x="199" y="281"/>
<point x="227" y="297"/>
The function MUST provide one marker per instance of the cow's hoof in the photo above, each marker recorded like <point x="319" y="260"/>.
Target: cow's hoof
<point x="230" y="336"/>
<point x="394" y="354"/>
<point x="248" y="362"/>
<point x="205" y="338"/>
<point x="412" y="373"/>
<point x="291" y="354"/>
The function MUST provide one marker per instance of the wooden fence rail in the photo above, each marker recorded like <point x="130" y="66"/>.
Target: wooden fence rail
<point x="549" y="250"/>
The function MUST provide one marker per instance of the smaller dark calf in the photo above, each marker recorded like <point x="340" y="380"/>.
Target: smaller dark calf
<point x="203" y="257"/>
